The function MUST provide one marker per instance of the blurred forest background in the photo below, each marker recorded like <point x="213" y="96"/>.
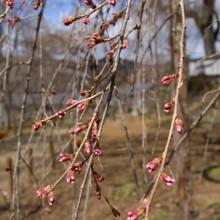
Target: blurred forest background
<point x="44" y="63"/>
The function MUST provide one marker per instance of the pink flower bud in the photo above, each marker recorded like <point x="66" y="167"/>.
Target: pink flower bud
<point x="124" y="44"/>
<point x="70" y="177"/>
<point x="98" y="195"/>
<point x="168" y="106"/>
<point x="90" y="3"/>
<point x="167" y="79"/>
<point x="86" y="20"/>
<point x="51" y="198"/>
<point x="114" y="43"/>
<point x="110" y="53"/>
<point x="69" y="20"/>
<point x="179" y="125"/>
<point x="70" y="102"/>
<point x="100" y="178"/>
<point x="66" y="157"/>
<point x="112" y="2"/>
<point x="84" y="92"/>
<point x="133" y="215"/>
<point x="77" y="168"/>
<point x="36" y="125"/>
<point x="168" y="180"/>
<point x="10" y="3"/>
<point x="60" y="114"/>
<point x="151" y="166"/>
<point x="97" y="152"/>
<point x="87" y="148"/>
<point x="42" y="192"/>
<point x="82" y="106"/>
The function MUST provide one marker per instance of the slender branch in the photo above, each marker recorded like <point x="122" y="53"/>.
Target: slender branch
<point x="181" y="59"/>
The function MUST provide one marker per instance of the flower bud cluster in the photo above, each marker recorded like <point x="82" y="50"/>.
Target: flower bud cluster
<point x="75" y="169"/>
<point x="135" y="214"/>
<point x="94" y="39"/>
<point x="9" y="3"/>
<point x="45" y="191"/>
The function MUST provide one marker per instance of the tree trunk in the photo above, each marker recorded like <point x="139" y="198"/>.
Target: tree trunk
<point x="205" y="25"/>
<point x="183" y="172"/>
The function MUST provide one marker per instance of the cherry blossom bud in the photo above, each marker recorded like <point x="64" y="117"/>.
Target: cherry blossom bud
<point x="10" y="3"/>
<point x="69" y="20"/>
<point x="70" y="177"/>
<point x="97" y="152"/>
<point x="42" y="192"/>
<point x="179" y="125"/>
<point x="98" y="195"/>
<point x="77" y="168"/>
<point x="94" y="134"/>
<point x="87" y="148"/>
<point x="167" y="79"/>
<point x="84" y="92"/>
<point x="36" y="126"/>
<point x="82" y="106"/>
<point x="86" y="20"/>
<point x="90" y="3"/>
<point x="100" y="178"/>
<point x="60" y="114"/>
<point x="133" y="215"/>
<point x="70" y="102"/>
<point x="91" y="43"/>
<point x="66" y="157"/>
<point x="168" y="180"/>
<point x="110" y="53"/>
<point x="112" y="2"/>
<point x="51" y="198"/>
<point x="151" y="166"/>
<point x="124" y="44"/>
<point x="114" y="43"/>
<point x="168" y="106"/>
